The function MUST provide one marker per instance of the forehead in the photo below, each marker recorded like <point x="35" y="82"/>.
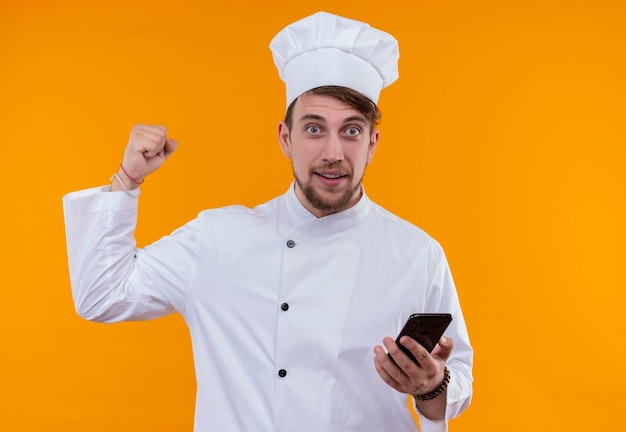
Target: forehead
<point x="326" y="108"/>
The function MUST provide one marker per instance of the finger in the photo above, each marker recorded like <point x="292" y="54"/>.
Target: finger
<point x="383" y="365"/>
<point x="148" y="139"/>
<point x="420" y="353"/>
<point x="154" y="146"/>
<point x="402" y="366"/>
<point x="170" y="146"/>
<point x="149" y="130"/>
<point x="146" y="144"/>
<point x="157" y="129"/>
<point x="443" y="350"/>
<point x="389" y="364"/>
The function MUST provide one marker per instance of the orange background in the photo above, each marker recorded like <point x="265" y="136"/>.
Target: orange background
<point x="505" y="139"/>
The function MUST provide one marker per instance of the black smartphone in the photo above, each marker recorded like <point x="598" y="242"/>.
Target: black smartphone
<point x="426" y="329"/>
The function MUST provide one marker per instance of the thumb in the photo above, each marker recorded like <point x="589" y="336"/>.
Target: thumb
<point x="444" y="348"/>
<point x="170" y="146"/>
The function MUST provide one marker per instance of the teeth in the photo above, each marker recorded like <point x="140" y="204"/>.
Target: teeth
<point x="331" y="176"/>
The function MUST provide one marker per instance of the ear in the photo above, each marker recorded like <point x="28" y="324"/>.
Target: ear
<point x="283" y="139"/>
<point x="372" y="145"/>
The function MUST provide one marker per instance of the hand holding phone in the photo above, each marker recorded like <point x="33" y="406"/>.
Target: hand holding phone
<point x="425" y="329"/>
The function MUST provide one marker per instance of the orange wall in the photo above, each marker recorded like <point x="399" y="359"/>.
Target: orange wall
<point x="505" y="138"/>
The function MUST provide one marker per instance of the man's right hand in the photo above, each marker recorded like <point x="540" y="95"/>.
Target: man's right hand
<point x="148" y="147"/>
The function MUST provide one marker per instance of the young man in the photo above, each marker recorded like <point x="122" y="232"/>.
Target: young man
<point x="286" y="301"/>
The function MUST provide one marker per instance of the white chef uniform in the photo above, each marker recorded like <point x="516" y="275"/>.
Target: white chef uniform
<point x="283" y="308"/>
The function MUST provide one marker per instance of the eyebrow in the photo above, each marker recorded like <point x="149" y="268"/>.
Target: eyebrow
<point x="312" y="117"/>
<point x="360" y="119"/>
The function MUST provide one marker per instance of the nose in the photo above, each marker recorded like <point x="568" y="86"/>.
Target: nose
<point x="333" y="149"/>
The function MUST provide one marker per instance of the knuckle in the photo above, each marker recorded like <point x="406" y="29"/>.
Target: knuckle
<point x="395" y="374"/>
<point x="159" y="130"/>
<point x="421" y="383"/>
<point x="419" y="355"/>
<point x="387" y="379"/>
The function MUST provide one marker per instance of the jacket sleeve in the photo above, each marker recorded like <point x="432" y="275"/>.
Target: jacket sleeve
<point x="112" y="280"/>
<point x="444" y="298"/>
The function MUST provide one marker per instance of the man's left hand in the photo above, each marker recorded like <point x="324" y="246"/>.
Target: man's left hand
<point x="405" y="375"/>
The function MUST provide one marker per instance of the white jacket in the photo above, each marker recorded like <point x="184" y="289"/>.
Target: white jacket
<point x="284" y="309"/>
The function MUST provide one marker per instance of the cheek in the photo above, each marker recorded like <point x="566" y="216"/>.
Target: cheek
<point x="370" y="153"/>
<point x="298" y="163"/>
<point x="301" y="156"/>
<point x="364" y="159"/>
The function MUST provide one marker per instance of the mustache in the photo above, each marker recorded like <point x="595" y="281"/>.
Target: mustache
<point x="331" y="168"/>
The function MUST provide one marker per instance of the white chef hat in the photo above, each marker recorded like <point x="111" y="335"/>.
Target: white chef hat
<point x="326" y="49"/>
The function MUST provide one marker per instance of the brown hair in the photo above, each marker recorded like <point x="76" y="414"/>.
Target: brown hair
<point x="352" y="97"/>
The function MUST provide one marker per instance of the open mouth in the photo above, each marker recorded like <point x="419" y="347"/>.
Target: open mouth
<point x="329" y="176"/>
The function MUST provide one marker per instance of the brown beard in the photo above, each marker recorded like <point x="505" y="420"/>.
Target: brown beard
<point x="325" y="206"/>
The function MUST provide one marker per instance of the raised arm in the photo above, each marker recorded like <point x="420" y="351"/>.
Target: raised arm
<point x="111" y="279"/>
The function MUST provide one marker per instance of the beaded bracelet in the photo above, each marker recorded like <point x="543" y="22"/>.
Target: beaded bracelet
<point x="433" y="394"/>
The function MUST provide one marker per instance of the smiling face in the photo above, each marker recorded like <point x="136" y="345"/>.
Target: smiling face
<point x="329" y="145"/>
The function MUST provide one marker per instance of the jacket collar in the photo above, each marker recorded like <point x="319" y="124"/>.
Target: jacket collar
<point x="302" y="218"/>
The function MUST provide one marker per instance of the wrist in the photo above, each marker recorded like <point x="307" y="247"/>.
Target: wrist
<point x="134" y="181"/>
<point x="436" y="392"/>
<point x="119" y="183"/>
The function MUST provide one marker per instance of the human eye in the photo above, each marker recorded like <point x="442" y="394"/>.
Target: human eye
<point x="353" y="131"/>
<point x="313" y="129"/>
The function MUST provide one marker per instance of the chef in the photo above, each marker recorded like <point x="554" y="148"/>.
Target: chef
<point x="293" y="305"/>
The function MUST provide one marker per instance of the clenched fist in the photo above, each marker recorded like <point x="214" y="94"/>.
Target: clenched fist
<point x="148" y="147"/>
